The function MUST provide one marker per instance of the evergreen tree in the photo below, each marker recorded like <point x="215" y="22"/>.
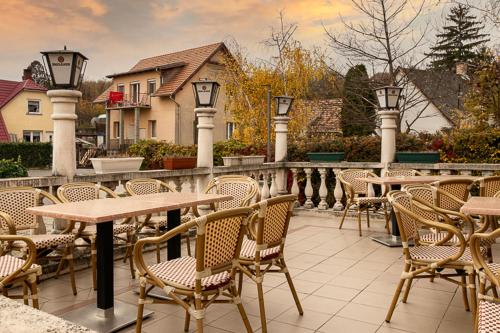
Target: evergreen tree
<point x="358" y="112"/>
<point x="460" y="40"/>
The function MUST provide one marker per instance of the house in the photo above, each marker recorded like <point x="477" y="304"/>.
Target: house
<point x="325" y="118"/>
<point x="154" y="99"/>
<point x="25" y="111"/>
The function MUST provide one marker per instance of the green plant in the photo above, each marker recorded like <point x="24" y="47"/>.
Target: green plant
<point x="33" y="155"/>
<point x="332" y="145"/>
<point x="10" y="168"/>
<point x="472" y="145"/>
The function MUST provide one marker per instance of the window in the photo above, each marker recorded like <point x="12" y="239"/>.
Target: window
<point x="120" y="88"/>
<point x="152" y="128"/>
<point x="32" y="136"/>
<point x="151" y="87"/>
<point x="229" y="130"/>
<point x="48" y="136"/>
<point x="34" y="107"/>
<point x="116" y="129"/>
<point x="135" y="92"/>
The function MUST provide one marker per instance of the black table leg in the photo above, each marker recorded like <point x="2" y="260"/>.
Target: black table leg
<point x="174" y="243"/>
<point x="104" y="243"/>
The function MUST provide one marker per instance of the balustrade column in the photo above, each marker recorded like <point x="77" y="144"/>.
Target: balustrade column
<point x="273" y="191"/>
<point x="323" y="190"/>
<point x="295" y="185"/>
<point x="265" y="193"/>
<point x="338" y="193"/>
<point x="309" y="189"/>
<point x="445" y="172"/>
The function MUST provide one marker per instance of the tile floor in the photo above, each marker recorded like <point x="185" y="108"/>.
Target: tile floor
<point x="345" y="283"/>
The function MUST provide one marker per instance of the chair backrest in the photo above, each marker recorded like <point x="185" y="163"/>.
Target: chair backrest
<point x="492" y="271"/>
<point x="82" y="191"/>
<point x="459" y="188"/>
<point x="273" y="217"/>
<point x="349" y="181"/>
<point x="402" y="204"/>
<point x="425" y="194"/>
<point x="218" y="240"/>
<point x="142" y="186"/>
<point x="402" y="172"/>
<point x="14" y="201"/>
<point x="242" y="188"/>
<point x="489" y="186"/>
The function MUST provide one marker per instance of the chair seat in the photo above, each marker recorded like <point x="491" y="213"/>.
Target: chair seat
<point x="495" y="268"/>
<point x="368" y="200"/>
<point x="248" y="251"/>
<point x="9" y="264"/>
<point x="180" y="273"/>
<point x="91" y="230"/>
<point x="488" y="317"/>
<point x="435" y="253"/>
<point x="47" y="240"/>
<point x="434" y="237"/>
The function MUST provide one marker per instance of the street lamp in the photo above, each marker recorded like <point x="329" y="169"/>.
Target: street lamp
<point x="66" y="68"/>
<point x="388" y="97"/>
<point x="283" y="105"/>
<point x="205" y="93"/>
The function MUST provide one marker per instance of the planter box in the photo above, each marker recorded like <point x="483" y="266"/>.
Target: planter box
<point x="417" y="157"/>
<point x="174" y="163"/>
<point x="326" y="157"/>
<point x="119" y="164"/>
<point x="243" y="160"/>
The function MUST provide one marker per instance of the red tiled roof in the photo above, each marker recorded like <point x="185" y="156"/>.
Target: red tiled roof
<point x="325" y="116"/>
<point x="9" y="90"/>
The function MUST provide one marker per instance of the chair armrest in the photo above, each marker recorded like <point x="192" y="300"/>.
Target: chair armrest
<point x="478" y="260"/>
<point x="252" y="225"/>
<point x="29" y="260"/>
<point x="11" y="227"/>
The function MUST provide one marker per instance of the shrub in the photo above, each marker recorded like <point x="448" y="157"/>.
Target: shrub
<point x="472" y="145"/>
<point x="33" y="155"/>
<point x="362" y="148"/>
<point x="12" y="168"/>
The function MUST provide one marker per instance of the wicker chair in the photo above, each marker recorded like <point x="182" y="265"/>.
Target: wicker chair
<point x="143" y="186"/>
<point x="402" y="173"/>
<point x="14" y="218"/>
<point x="457" y="188"/>
<point x="487" y="318"/>
<point x="421" y="260"/>
<point x="268" y="228"/>
<point x="74" y="192"/>
<point x="243" y="189"/>
<point x="488" y="187"/>
<point x="15" y="271"/>
<point x="357" y="193"/>
<point x="195" y="283"/>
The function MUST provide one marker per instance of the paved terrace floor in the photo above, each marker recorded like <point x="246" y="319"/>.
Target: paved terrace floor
<point x="345" y="283"/>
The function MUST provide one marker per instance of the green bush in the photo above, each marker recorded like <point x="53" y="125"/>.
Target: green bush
<point x="362" y="148"/>
<point x="33" y="155"/>
<point x="12" y="168"/>
<point x="472" y="145"/>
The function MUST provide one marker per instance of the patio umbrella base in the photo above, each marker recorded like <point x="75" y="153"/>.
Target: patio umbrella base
<point x="388" y="240"/>
<point x="122" y="315"/>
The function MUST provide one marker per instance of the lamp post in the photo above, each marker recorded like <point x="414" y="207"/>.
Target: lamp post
<point x="66" y="70"/>
<point x="388" y="99"/>
<point x="205" y="94"/>
<point x="283" y="107"/>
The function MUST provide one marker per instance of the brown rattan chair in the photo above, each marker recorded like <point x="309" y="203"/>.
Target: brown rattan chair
<point x="14" y="218"/>
<point x="488" y="187"/>
<point x="195" y="283"/>
<point x="82" y="191"/>
<point x="487" y="317"/>
<point x="268" y="228"/>
<point x="457" y="188"/>
<point x="15" y="271"/>
<point x="422" y="260"/>
<point x="158" y="223"/>
<point x="243" y="189"/>
<point x="402" y="173"/>
<point x="357" y="193"/>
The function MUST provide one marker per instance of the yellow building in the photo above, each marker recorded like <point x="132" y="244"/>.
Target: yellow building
<point x="156" y="101"/>
<point x="25" y="111"/>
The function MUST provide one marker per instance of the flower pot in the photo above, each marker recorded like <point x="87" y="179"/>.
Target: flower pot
<point x="252" y="160"/>
<point x="174" y="163"/>
<point x="326" y="157"/>
<point x="417" y="156"/>
<point x="119" y="164"/>
<point x="231" y="160"/>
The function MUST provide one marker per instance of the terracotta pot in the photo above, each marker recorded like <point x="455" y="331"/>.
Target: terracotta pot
<point x="173" y="163"/>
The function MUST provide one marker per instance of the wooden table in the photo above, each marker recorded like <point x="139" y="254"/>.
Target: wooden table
<point x="486" y="206"/>
<point x="110" y="317"/>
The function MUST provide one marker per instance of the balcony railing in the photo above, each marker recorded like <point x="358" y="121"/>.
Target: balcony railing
<point x="117" y="100"/>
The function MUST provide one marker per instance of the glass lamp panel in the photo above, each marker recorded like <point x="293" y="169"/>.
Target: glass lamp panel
<point x="78" y="69"/>
<point x="283" y="105"/>
<point x="393" y="96"/>
<point x="215" y="94"/>
<point x="381" y="94"/>
<point x="61" y="65"/>
<point x="204" y="92"/>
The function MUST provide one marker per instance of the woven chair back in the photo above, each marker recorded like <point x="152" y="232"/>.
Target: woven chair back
<point x="142" y="186"/>
<point x="14" y="202"/>
<point x="460" y="188"/>
<point x="242" y="188"/>
<point x="273" y="220"/>
<point x="491" y="271"/>
<point x="82" y="191"/>
<point x="489" y="186"/>
<point x="349" y="179"/>
<point x="402" y="173"/>
<point x="425" y="193"/>
<point x="402" y="203"/>
<point x="218" y="239"/>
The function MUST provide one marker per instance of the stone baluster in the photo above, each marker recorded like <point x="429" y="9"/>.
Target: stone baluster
<point x="192" y="184"/>
<point x="295" y="185"/>
<point x="323" y="190"/>
<point x="338" y="193"/>
<point x="466" y="172"/>
<point x="487" y="173"/>
<point x="309" y="189"/>
<point x="425" y="172"/>
<point x="273" y="191"/>
<point x="265" y="193"/>
<point x="178" y="184"/>
<point x="444" y="172"/>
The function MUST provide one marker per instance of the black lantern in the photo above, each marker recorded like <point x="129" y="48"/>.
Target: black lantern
<point x="205" y="93"/>
<point x="388" y="97"/>
<point x="66" y="68"/>
<point x="283" y="105"/>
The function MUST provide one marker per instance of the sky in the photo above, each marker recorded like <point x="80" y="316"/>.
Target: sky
<point x="115" y="34"/>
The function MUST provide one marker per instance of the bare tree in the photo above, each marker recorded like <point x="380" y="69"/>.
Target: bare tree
<point x="490" y="9"/>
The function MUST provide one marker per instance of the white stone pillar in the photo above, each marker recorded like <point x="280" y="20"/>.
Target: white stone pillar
<point x="205" y="157"/>
<point x="281" y="150"/>
<point x="388" y="129"/>
<point x="63" y="142"/>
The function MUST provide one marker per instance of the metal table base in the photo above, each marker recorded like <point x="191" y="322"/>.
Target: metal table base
<point x="388" y="240"/>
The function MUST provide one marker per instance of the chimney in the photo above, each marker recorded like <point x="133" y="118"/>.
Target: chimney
<point x="27" y="74"/>
<point x="461" y="68"/>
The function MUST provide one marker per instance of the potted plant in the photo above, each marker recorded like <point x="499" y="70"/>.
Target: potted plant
<point x="174" y="162"/>
<point x="327" y="151"/>
<point x="417" y="149"/>
<point x="103" y="165"/>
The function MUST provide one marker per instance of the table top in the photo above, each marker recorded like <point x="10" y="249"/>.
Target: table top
<point x="404" y="180"/>
<point x="482" y="206"/>
<point x="17" y="317"/>
<point x="103" y="210"/>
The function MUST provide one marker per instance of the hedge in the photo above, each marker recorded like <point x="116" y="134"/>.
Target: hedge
<point x="33" y="155"/>
<point x="12" y="169"/>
